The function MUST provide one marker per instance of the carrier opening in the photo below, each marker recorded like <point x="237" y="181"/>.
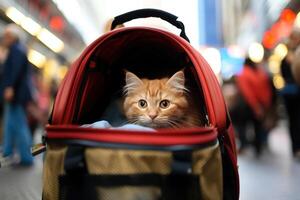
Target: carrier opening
<point x="146" y="53"/>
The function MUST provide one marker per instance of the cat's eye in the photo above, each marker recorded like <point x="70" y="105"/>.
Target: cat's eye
<point x="164" y="104"/>
<point x="142" y="103"/>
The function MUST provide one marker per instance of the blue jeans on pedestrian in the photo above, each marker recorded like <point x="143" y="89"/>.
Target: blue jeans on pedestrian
<point x="16" y="133"/>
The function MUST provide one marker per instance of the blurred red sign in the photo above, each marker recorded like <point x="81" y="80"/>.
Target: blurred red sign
<point x="279" y="30"/>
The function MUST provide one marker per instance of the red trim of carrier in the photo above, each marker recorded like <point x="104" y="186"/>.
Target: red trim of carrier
<point x="162" y="137"/>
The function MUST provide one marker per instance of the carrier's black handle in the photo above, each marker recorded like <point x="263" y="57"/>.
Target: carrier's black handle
<point x="149" y="12"/>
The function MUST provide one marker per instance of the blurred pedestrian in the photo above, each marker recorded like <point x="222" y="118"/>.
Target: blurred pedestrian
<point x="3" y="54"/>
<point x="255" y="89"/>
<point x="291" y="91"/>
<point x="38" y="109"/>
<point x="16" y="94"/>
<point x="296" y="66"/>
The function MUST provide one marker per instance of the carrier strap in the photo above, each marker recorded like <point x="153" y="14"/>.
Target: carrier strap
<point x="182" y="162"/>
<point x="74" y="160"/>
<point x="148" y="12"/>
<point x="172" y="187"/>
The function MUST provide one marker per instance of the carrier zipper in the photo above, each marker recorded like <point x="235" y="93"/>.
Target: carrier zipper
<point x="94" y="144"/>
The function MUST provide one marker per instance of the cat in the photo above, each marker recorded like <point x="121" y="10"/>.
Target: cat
<point x="159" y="103"/>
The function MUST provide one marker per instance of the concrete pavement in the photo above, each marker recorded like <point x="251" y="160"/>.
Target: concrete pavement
<point x="21" y="183"/>
<point x="273" y="176"/>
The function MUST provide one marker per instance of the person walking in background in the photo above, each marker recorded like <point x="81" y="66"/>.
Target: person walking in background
<point x="291" y="92"/>
<point x="3" y="54"/>
<point x="16" y="95"/>
<point x="296" y="66"/>
<point x="255" y="89"/>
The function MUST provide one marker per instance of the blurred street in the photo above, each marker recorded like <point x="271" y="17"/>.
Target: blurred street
<point x="252" y="49"/>
<point x="22" y="182"/>
<point x="275" y="175"/>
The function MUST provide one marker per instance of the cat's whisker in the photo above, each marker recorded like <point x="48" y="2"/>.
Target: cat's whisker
<point x="173" y="123"/>
<point x="133" y="120"/>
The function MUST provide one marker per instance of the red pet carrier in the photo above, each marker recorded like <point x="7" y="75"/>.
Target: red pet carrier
<point x="107" y="164"/>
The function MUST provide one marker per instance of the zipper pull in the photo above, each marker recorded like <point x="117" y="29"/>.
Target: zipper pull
<point x="38" y="148"/>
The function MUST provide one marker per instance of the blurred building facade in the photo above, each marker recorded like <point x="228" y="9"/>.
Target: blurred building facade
<point x="223" y="30"/>
<point x="51" y="40"/>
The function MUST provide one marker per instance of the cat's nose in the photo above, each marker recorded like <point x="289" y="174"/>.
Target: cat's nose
<point x="153" y="115"/>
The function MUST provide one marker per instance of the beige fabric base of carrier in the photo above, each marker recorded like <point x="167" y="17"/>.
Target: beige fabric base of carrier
<point x="206" y="163"/>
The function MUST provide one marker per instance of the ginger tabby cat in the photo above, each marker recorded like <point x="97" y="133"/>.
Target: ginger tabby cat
<point x="159" y="103"/>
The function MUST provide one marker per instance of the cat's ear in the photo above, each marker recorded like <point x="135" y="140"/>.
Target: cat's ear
<point x="177" y="81"/>
<point x="132" y="82"/>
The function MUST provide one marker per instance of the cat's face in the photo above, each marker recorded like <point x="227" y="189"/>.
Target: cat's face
<point x="155" y="103"/>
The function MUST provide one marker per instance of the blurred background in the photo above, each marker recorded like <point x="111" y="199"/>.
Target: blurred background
<point x="224" y="31"/>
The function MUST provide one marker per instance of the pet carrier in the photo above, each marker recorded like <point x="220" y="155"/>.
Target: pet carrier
<point x="116" y="164"/>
